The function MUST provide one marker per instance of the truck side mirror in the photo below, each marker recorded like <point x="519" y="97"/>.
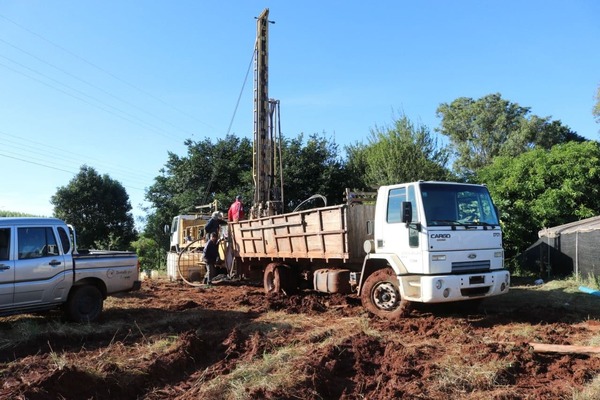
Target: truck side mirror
<point x="406" y="212"/>
<point x="166" y="229"/>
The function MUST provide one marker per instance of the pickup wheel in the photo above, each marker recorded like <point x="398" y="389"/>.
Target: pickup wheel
<point x="279" y="278"/>
<point x="380" y="295"/>
<point x="84" y="304"/>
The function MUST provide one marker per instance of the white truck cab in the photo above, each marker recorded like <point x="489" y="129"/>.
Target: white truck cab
<point x="442" y="240"/>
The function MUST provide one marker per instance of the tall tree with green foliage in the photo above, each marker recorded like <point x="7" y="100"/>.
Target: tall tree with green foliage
<point x="356" y="165"/>
<point x="543" y="188"/>
<point x="208" y="172"/>
<point x="99" y="208"/>
<point x="312" y="167"/>
<point x="401" y="152"/>
<point x="220" y="171"/>
<point x="491" y="126"/>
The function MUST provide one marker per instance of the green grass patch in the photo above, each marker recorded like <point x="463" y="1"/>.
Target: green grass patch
<point x="589" y="392"/>
<point x="273" y="371"/>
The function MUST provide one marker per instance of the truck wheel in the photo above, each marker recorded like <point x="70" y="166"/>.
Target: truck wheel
<point x="85" y="304"/>
<point x="380" y="295"/>
<point x="278" y="278"/>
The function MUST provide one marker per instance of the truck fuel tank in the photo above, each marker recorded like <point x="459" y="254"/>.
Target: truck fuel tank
<point x="332" y="281"/>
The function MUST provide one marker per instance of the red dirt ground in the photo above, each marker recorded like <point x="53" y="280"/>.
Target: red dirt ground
<point x="212" y="341"/>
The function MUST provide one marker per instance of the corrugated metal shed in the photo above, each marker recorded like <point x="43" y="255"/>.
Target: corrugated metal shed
<point x="584" y="225"/>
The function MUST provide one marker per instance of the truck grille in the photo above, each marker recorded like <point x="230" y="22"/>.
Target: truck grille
<point x="469" y="267"/>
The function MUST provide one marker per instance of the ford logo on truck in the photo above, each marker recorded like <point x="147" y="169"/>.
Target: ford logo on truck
<point x="441" y="236"/>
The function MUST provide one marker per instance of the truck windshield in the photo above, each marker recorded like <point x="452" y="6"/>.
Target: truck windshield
<point x="457" y="205"/>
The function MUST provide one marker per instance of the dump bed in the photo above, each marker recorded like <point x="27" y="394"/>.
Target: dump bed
<point x="327" y="233"/>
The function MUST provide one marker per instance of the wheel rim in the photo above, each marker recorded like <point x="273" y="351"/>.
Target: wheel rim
<point x="385" y="296"/>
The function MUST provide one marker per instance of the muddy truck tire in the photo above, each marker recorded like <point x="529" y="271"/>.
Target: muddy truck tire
<point x="380" y="295"/>
<point x="279" y="278"/>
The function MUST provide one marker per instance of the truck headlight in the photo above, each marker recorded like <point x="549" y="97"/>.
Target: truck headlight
<point x="498" y="254"/>
<point x="438" y="257"/>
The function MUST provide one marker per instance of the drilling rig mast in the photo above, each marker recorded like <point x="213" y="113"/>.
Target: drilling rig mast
<point x="267" y="165"/>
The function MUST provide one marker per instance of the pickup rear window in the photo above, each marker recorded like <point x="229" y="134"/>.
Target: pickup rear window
<point x="64" y="239"/>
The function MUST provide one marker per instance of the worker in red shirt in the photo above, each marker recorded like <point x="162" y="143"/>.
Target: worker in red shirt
<point x="236" y="211"/>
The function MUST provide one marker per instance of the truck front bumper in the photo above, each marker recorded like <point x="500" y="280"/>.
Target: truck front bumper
<point x="447" y="288"/>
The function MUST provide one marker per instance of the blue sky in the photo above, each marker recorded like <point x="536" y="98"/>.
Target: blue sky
<point x="118" y="84"/>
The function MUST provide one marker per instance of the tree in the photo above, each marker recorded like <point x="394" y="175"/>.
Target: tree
<point x="150" y="255"/>
<point x="543" y="188"/>
<point x="209" y="171"/>
<point x="222" y="170"/>
<point x="482" y="129"/>
<point x="399" y="153"/>
<point x="98" y="207"/>
<point x="312" y="168"/>
<point x="356" y="164"/>
<point x="14" y="214"/>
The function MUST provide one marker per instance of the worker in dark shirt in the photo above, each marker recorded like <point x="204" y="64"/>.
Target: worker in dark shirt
<point x="213" y="224"/>
<point x="210" y="255"/>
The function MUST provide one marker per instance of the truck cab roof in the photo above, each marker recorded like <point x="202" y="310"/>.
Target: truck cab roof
<point x="30" y="221"/>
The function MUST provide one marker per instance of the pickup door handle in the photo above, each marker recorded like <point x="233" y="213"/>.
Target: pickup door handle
<point x="54" y="263"/>
<point x="4" y="266"/>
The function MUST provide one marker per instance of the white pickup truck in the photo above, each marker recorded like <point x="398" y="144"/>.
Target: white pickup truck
<point x="40" y="269"/>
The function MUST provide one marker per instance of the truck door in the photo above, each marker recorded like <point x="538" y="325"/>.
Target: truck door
<point x="39" y="268"/>
<point x="395" y="237"/>
<point x="7" y="268"/>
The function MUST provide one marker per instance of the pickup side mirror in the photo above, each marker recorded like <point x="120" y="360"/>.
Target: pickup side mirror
<point x="406" y="212"/>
